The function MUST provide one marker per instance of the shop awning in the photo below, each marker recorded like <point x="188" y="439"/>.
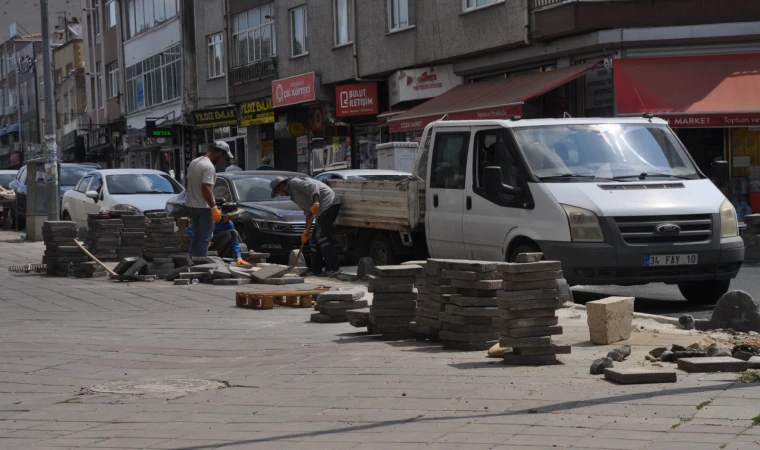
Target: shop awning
<point x="498" y="99"/>
<point x="13" y="128"/>
<point x="691" y="91"/>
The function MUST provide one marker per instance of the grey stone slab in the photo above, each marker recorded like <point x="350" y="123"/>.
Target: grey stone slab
<point x="471" y="311"/>
<point x="511" y="359"/>
<point x="470" y="276"/>
<point x="508" y="342"/>
<point x="463" y="301"/>
<point x="527" y="313"/>
<point x="463" y="265"/>
<point x="639" y="376"/>
<point x="271" y="271"/>
<point x="398" y="271"/>
<point x="192" y="275"/>
<point x="136" y="267"/>
<point x="550" y="350"/>
<point x="481" y="328"/>
<point x="529" y="295"/>
<point x="398" y="304"/>
<point x="391" y="288"/>
<point x="333" y="306"/>
<point x="285" y="281"/>
<point x="714" y="364"/>
<point x="394" y="297"/>
<point x="525" y="323"/>
<point x="430" y="313"/>
<point x="374" y="280"/>
<point x="529" y="257"/>
<point x="533" y="276"/>
<point x="181" y="282"/>
<point x="343" y="295"/>
<point x="325" y="318"/>
<point x="531" y="267"/>
<point x="467" y="347"/>
<point x="528" y="285"/>
<point x="442" y="290"/>
<point x="386" y="320"/>
<point x="528" y="304"/>
<point x="362" y="314"/>
<point x="232" y="281"/>
<point x="465" y="320"/>
<point x="754" y="362"/>
<point x="532" y="332"/>
<point x="394" y="312"/>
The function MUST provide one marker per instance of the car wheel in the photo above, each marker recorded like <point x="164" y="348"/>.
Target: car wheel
<point x="381" y="251"/>
<point x="704" y="292"/>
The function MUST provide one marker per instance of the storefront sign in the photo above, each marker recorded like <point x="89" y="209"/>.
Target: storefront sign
<point x="316" y="118"/>
<point x="294" y="90"/>
<point x="356" y="100"/>
<point x="712" y="121"/>
<point x="416" y="84"/>
<point x="418" y="123"/>
<point x="742" y="161"/>
<point x="257" y="112"/>
<point x="296" y="129"/>
<point x="599" y="88"/>
<point x="215" y="118"/>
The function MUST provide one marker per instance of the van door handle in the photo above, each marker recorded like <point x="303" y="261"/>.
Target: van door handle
<point x="435" y="201"/>
<point x="469" y="203"/>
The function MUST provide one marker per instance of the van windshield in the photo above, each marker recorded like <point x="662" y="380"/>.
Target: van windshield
<point x="616" y="151"/>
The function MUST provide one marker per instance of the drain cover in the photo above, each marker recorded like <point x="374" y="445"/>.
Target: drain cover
<point x="180" y="386"/>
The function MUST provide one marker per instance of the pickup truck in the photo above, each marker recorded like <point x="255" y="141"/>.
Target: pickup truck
<point x="617" y="201"/>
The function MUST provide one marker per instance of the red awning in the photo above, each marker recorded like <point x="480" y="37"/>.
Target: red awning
<point x="498" y="99"/>
<point x="691" y="91"/>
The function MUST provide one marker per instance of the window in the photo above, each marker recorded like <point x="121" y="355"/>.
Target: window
<point x="12" y="97"/>
<point x="253" y="35"/>
<point x="492" y="148"/>
<point x="58" y="76"/>
<point x="474" y="4"/>
<point x="97" y="183"/>
<point x="113" y="79"/>
<point x="299" y="31"/>
<point x="222" y="190"/>
<point x="111" y="14"/>
<point x="65" y="113"/>
<point x="400" y="14"/>
<point x="449" y="160"/>
<point x="146" y="14"/>
<point x="96" y="17"/>
<point x="155" y="80"/>
<point x="99" y="82"/>
<point x="23" y="97"/>
<point x="344" y="29"/>
<point x="215" y="56"/>
<point x="143" y="183"/>
<point x="83" y="183"/>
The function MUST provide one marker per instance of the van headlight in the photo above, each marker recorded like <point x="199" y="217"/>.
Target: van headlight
<point x="729" y="225"/>
<point x="584" y="225"/>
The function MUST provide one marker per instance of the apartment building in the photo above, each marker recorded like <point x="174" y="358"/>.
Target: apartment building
<point x="70" y="100"/>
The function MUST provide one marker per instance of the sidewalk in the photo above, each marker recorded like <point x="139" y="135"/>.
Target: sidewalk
<point x="294" y="384"/>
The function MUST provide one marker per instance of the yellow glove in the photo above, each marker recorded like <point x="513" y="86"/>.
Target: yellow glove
<point x="243" y="263"/>
<point x="305" y="236"/>
<point x="216" y="215"/>
<point x="210" y="244"/>
<point x="314" y="208"/>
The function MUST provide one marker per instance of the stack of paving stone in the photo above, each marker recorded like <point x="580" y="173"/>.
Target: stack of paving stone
<point x="528" y="303"/>
<point x="394" y="300"/>
<point x="60" y="249"/>
<point x="161" y="244"/>
<point x="430" y="305"/>
<point x="333" y="305"/>
<point x="104" y="238"/>
<point x="132" y="235"/>
<point x="89" y="270"/>
<point x="468" y="292"/>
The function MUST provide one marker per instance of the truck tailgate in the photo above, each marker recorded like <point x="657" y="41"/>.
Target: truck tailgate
<point x="385" y="205"/>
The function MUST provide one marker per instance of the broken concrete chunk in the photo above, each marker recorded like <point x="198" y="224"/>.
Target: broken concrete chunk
<point x="620" y="353"/>
<point x="529" y="257"/>
<point x="271" y="271"/>
<point x="686" y="321"/>
<point x="736" y="310"/>
<point x="598" y="366"/>
<point x="610" y="319"/>
<point x="657" y="352"/>
<point x="716" y="350"/>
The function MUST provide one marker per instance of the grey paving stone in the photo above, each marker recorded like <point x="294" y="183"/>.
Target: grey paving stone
<point x="714" y="364"/>
<point x="398" y="271"/>
<point x="639" y="376"/>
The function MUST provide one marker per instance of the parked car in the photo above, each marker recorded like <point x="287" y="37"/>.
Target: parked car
<point x="268" y="225"/>
<point x="69" y="175"/>
<point x="364" y="175"/>
<point x="6" y="201"/>
<point x="6" y="176"/>
<point x="138" y="190"/>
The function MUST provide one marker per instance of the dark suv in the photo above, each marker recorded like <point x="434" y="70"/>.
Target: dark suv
<point x="69" y="175"/>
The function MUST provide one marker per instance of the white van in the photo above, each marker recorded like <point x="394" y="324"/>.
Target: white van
<point x="617" y="201"/>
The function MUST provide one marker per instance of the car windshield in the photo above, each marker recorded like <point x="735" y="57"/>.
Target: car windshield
<point x="70" y="176"/>
<point x="142" y="183"/>
<point x="607" y="151"/>
<point x="378" y="177"/>
<point x="255" y="189"/>
<point x="6" y="178"/>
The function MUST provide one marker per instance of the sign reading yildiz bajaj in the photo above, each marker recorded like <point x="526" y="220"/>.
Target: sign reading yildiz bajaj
<point x="256" y="112"/>
<point x="214" y="118"/>
<point x="293" y="90"/>
<point x="356" y="100"/>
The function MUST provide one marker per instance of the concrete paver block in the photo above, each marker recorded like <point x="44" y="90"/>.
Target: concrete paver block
<point x="272" y="271"/>
<point x="716" y="364"/>
<point x="398" y="271"/>
<point x="610" y="319"/>
<point x="639" y="376"/>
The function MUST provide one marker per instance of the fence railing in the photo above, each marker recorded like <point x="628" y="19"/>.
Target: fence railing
<point x="535" y="4"/>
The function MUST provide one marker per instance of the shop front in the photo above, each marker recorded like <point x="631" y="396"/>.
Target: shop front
<point x="293" y="99"/>
<point x="103" y="146"/>
<point x="72" y="147"/>
<point x="358" y="105"/>
<point x="221" y="124"/>
<point x="713" y="103"/>
<point x="257" y="119"/>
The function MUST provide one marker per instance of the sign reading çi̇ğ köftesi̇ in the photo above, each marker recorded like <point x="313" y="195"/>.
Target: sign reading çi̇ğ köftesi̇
<point x="293" y="90"/>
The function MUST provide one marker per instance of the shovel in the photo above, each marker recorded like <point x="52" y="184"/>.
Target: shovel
<point x="300" y="249"/>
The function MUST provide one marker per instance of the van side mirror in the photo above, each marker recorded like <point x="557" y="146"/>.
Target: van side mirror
<point x="719" y="175"/>
<point x="493" y="184"/>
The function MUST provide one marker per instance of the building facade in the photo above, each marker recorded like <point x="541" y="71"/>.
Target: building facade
<point x="70" y="100"/>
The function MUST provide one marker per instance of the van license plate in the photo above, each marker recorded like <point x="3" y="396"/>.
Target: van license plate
<point x="670" y="260"/>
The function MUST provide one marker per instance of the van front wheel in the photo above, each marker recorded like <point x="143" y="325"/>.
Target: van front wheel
<point x="704" y="292"/>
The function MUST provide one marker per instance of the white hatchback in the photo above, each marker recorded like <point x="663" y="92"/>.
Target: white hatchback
<point x="138" y="190"/>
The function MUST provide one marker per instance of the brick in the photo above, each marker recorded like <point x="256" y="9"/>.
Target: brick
<point x="529" y="304"/>
<point x="378" y="281"/>
<point x="529" y="257"/>
<point x="468" y="337"/>
<point x="527" y="313"/>
<point x="391" y="288"/>
<point x="398" y="271"/>
<point x="550" y="350"/>
<point x="533" y="276"/>
<point x="510" y="359"/>
<point x="639" y="376"/>
<point x="531" y="267"/>
<point x="528" y="285"/>
<point x="610" y="319"/>
<point x="532" y="332"/>
<point x="471" y="312"/>
<point x="470" y="276"/>
<point x="525" y="323"/>
<point x="463" y="301"/>
<point x="712" y="364"/>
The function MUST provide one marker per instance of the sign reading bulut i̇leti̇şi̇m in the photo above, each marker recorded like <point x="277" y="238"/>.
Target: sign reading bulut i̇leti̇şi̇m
<point x="214" y="118"/>
<point x="256" y="113"/>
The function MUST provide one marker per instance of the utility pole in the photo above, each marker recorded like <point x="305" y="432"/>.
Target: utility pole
<point x="51" y="151"/>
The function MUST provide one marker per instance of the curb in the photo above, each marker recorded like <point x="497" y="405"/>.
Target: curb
<point x="660" y="319"/>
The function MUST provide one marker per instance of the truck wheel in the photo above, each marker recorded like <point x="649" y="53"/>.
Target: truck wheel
<point x="704" y="292"/>
<point x="381" y="251"/>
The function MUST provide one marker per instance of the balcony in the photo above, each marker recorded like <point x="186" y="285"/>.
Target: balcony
<point x="554" y="19"/>
<point x="253" y="71"/>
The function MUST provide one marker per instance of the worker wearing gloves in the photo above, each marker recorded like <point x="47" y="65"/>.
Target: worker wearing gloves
<point x="319" y="201"/>
<point x="226" y="240"/>
<point x="201" y="177"/>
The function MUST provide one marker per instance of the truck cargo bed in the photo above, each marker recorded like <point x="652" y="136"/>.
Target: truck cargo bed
<point x="383" y="205"/>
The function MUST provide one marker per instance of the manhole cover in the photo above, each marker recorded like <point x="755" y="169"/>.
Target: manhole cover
<point x="157" y="386"/>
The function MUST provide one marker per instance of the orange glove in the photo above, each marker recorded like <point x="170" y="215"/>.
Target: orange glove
<point x="216" y="215"/>
<point x="314" y="208"/>
<point x="243" y="263"/>
<point x="305" y="236"/>
<point x="210" y="244"/>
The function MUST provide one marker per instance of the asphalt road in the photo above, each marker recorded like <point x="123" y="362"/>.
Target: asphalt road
<point x="664" y="299"/>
